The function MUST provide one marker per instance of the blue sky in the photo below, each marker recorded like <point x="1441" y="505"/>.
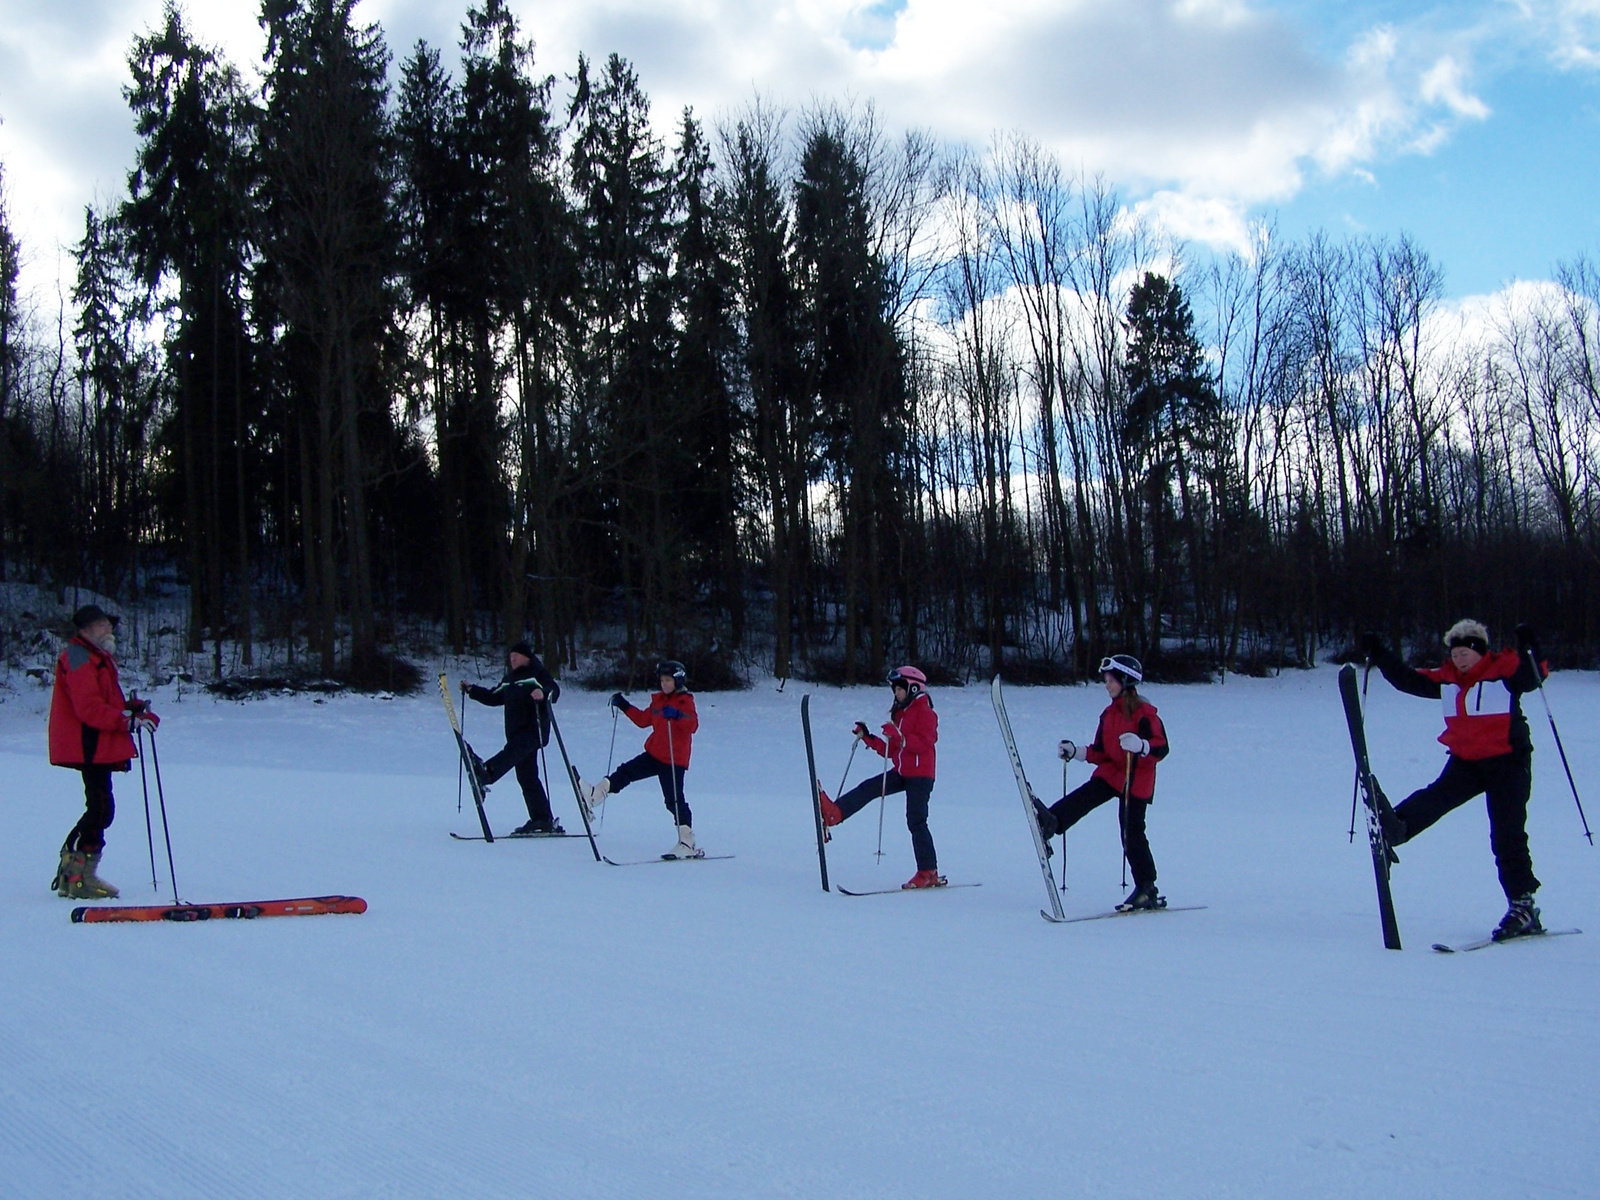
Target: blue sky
<point x="1472" y="126"/>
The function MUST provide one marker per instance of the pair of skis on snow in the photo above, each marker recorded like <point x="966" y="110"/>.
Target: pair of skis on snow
<point x="572" y="776"/>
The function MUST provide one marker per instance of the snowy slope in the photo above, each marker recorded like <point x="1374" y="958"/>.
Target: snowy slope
<point x="517" y="1020"/>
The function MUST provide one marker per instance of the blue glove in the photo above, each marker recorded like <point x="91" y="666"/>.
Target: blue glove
<point x="670" y="713"/>
<point x="619" y="701"/>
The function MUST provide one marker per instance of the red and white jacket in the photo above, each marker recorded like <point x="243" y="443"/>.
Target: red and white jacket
<point x="1482" y="708"/>
<point x="1111" y="760"/>
<point x="909" y="737"/>
<point x="670" y="748"/>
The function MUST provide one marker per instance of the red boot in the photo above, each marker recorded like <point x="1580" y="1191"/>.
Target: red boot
<point x="924" y="879"/>
<point x="830" y="811"/>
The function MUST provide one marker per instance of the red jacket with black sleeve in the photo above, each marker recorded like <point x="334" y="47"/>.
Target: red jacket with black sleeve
<point x="670" y="748"/>
<point x="909" y="737"/>
<point x="88" y="714"/>
<point x="1111" y="760"/>
<point x="1482" y="707"/>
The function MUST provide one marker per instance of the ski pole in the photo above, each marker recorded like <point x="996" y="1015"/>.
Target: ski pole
<point x="883" y="792"/>
<point x="1562" y="750"/>
<point x="149" y="834"/>
<point x="166" y="830"/>
<point x="461" y="763"/>
<point x="854" y="743"/>
<point x="672" y="765"/>
<point x="1122" y="816"/>
<point x="611" y="750"/>
<point x="1063" y="832"/>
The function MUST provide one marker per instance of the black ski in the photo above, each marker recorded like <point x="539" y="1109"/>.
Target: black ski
<point x="1464" y="947"/>
<point x="466" y="760"/>
<point x="816" y="789"/>
<point x="1372" y="794"/>
<point x="943" y="887"/>
<point x="1120" y="912"/>
<point x="1028" y="799"/>
<point x="645" y="862"/>
<point x="512" y="837"/>
<point x="572" y="774"/>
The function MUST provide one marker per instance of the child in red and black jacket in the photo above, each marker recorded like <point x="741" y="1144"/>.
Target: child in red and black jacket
<point x="671" y="719"/>
<point x="908" y="741"/>
<point x="1127" y="745"/>
<point x="1491" y="752"/>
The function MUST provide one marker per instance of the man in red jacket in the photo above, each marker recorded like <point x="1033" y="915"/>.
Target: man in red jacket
<point x="907" y="747"/>
<point x="672" y="721"/>
<point x="91" y="728"/>
<point x="1128" y="743"/>
<point x="1491" y="752"/>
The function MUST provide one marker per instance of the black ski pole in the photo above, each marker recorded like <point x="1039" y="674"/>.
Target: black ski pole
<point x="1562" y="750"/>
<point x="1122" y="816"/>
<point x="855" y="741"/>
<point x="461" y="760"/>
<point x="1063" y="832"/>
<point x="166" y="830"/>
<point x="149" y="834"/>
<point x="883" y="793"/>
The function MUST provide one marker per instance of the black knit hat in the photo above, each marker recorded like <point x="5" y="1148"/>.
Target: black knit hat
<point x="89" y="614"/>
<point x="522" y="648"/>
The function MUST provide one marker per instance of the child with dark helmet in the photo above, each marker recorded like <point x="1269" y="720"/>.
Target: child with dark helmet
<point x="1128" y="743"/>
<point x="671" y="718"/>
<point x="907" y="747"/>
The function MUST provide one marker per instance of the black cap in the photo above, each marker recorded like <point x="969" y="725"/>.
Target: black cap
<point x="89" y="614"/>
<point x="522" y="648"/>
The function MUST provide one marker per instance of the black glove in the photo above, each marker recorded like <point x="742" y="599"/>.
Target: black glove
<point x="1527" y="639"/>
<point x="670" y="713"/>
<point x="137" y="706"/>
<point x="1371" y="645"/>
<point x="861" y="729"/>
<point x="619" y="701"/>
<point x="465" y="687"/>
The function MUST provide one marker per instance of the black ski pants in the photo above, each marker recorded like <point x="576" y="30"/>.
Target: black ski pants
<point x="1083" y="800"/>
<point x="99" y="810"/>
<point x="917" y="791"/>
<point x="522" y="756"/>
<point x="1506" y="779"/>
<point x="646" y="765"/>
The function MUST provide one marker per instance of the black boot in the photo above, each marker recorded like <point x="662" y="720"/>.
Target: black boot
<point x="1521" y="919"/>
<point x="1047" y="820"/>
<point x="1143" y="898"/>
<point x="1394" y="829"/>
<point x="480" y="770"/>
<point x="538" y="827"/>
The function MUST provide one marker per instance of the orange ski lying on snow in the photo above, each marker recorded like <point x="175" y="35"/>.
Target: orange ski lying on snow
<point x="309" y="906"/>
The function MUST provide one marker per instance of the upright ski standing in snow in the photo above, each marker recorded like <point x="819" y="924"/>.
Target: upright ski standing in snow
<point x="466" y="762"/>
<point x="816" y="789"/>
<point x="1371" y="794"/>
<point x="1028" y="801"/>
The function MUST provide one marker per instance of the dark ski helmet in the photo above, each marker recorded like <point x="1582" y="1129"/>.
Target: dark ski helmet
<point x="671" y="666"/>
<point x="910" y="678"/>
<point x="1125" y="667"/>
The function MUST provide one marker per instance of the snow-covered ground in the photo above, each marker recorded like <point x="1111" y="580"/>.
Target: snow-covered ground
<point x="516" y="1020"/>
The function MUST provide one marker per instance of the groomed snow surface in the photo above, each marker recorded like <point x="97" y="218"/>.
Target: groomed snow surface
<point x="517" y="1020"/>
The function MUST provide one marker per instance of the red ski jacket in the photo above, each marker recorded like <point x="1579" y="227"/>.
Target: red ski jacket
<point x="671" y="748"/>
<point x="1111" y="760"/>
<point x="909" y="737"/>
<point x="88" y="714"/>
<point x="1482" y="708"/>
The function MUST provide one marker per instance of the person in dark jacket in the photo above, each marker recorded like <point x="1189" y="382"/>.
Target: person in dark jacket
<point x="1128" y="743"/>
<point x="1490" y="752"/>
<point x="672" y="721"/>
<point x="908" y="750"/>
<point x="91" y="731"/>
<point x="526" y="692"/>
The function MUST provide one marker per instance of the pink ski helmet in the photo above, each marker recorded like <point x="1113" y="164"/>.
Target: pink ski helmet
<point x="913" y="679"/>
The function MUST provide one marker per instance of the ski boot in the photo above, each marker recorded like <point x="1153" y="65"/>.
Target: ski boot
<point x="1143" y="898"/>
<point x="1521" y="919"/>
<point x="480" y="770"/>
<point x="69" y="874"/>
<point x="594" y="794"/>
<point x="685" y="847"/>
<point x="832" y="814"/>
<point x="1047" y="823"/>
<point x="1394" y="829"/>
<point x="81" y="881"/>
<point x="538" y="827"/>
<point x="924" y="879"/>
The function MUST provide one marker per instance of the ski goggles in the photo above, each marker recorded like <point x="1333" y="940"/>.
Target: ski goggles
<point x="1110" y="665"/>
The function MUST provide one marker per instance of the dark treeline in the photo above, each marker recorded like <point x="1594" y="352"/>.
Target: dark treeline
<point x="466" y="343"/>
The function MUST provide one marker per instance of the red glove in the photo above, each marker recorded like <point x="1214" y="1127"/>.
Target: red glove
<point x="143" y="718"/>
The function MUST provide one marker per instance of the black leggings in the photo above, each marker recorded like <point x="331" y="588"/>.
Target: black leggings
<point x="1507" y="779"/>
<point x="1077" y="804"/>
<point x="917" y="792"/>
<point x="643" y="767"/>
<point x="99" y="810"/>
<point x="522" y="756"/>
